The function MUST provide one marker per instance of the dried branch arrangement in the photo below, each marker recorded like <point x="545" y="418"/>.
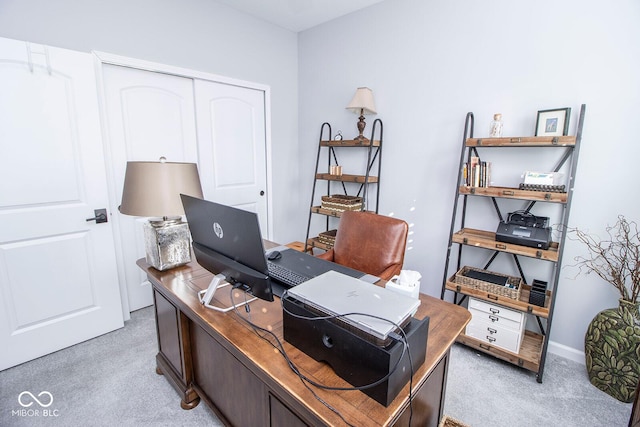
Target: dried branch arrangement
<point x="616" y="259"/>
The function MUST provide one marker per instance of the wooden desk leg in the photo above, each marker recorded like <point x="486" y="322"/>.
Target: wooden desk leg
<point x="189" y="397"/>
<point x="174" y="358"/>
<point x="428" y="402"/>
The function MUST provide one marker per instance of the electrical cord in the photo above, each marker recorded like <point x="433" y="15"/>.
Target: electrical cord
<point x="306" y="381"/>
<point x="338" y="316"/>
<point x="280" y="348"/>
<point x="405" y="340"/>
<point x="312" y="382"/>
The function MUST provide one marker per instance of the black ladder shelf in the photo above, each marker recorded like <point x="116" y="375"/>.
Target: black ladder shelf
<point x="344" y="183"/>
<point x="532" y="355"/>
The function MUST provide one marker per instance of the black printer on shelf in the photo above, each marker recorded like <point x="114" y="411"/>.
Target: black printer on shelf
<point x="524" y="228"/>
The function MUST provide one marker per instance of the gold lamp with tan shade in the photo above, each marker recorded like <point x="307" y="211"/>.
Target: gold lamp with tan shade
<point x="152" y="189"/>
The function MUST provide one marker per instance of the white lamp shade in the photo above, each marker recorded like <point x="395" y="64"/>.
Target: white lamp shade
<point x="154" y="188"/>
<point x="362" y="101"/>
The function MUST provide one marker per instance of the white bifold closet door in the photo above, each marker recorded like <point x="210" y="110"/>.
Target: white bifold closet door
<point x="149" y="115"/>
<point x="217" y="125"/>
<point x="58" y="281"/>
<point x="232" y="146"/>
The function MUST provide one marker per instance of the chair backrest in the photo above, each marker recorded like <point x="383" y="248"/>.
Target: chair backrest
<point x="372" y="243"/>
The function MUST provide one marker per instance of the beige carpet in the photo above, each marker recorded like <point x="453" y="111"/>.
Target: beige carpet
<point x="111" y="381"/>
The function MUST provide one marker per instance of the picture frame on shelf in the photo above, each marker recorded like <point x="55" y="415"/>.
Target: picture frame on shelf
<point x="553" y="122"/>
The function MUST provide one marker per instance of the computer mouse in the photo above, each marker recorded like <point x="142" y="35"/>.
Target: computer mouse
<point x="274" y="255"/>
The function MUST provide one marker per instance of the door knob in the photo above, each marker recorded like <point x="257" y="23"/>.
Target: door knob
<point x="100" y="216"/>
<point x="262" y="192"/>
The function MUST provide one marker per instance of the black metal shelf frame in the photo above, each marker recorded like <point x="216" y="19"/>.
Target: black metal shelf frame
<point x="374" y="158"/>
<point x="570" y="155"/>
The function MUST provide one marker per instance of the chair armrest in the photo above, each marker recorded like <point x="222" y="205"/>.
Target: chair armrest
<point x="390" y="271"/>
<point x="328" y="256"/>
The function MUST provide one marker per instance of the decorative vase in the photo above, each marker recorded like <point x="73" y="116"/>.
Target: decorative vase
<point x="612" y="350"/>
<point x="495" y="130"/>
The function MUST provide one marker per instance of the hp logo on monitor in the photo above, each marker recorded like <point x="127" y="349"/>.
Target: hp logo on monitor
<point x="217" y="228"/>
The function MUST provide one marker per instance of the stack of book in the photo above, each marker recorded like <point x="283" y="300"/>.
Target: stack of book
<point x="476" y="173"/>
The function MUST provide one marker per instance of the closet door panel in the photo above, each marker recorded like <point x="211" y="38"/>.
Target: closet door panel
<point x="149" y="115"/>
<point x="232" y="146"/>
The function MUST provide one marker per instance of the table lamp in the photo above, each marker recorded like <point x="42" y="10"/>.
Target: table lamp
<point x="153" y="189"/>
<point x="362" y="103"/>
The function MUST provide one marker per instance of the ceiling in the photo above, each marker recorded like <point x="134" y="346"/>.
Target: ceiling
<point x="298" y="15"/>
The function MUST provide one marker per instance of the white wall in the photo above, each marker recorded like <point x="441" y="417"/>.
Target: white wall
<point x="430" y="62"/>
<point x="197" y="34"/>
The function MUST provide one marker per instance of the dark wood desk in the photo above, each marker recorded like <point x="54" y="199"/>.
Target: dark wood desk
<point x="218" y="358"/>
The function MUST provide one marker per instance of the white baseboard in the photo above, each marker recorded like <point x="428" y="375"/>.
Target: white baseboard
<point x="566" y="352"/>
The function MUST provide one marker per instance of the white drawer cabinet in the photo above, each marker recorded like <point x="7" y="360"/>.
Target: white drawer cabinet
<point x="496" y="325"/>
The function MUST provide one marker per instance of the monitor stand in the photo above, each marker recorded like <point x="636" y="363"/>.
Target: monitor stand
<point x="206" y="296"/>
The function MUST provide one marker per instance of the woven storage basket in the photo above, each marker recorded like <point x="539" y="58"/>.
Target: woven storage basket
<point x="328" y="238"/>
<point x="512" y="291"/>
<point x="341" y="203"/>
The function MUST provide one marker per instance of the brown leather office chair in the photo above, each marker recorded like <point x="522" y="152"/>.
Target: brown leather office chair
<point x="371" y="243"/>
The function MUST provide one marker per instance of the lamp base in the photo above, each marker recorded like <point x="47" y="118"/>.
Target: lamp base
<point x="361" y="139"/>
<point x="167" y="243"/>
<point x="361" y="125"/>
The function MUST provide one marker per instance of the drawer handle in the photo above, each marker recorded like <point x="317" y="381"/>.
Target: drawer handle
<point x="494" y="318"/>
<point x="490" y="339"/>
<point x="494" y="310"/>
<point x="492" y="331"/>
<point x="486" y="347"/>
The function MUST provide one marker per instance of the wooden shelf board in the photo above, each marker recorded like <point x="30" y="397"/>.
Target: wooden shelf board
<point x="487" y="240"/>
<point x="514" y="193"/>
<point x="298" y="246"/>
<point x="315" y="243"/>
<point x="526" y="141"/>
<point x="365" y="142"/>
<point x="346" y="178"/>
<point x="328" y="212"/>
<point x="528" y="358"/>
<point x="521" y="304"/>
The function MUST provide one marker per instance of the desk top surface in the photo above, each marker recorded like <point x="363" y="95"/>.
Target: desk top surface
<point x="182" y="284"/>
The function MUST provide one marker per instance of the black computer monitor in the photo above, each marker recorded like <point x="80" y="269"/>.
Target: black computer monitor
<point x="227" y="242"/>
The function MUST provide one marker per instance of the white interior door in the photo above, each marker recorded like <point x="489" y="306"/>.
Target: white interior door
<point x="148" y="115"/>
<point x="232" y="146"/>
<point x="58" y="277"/>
